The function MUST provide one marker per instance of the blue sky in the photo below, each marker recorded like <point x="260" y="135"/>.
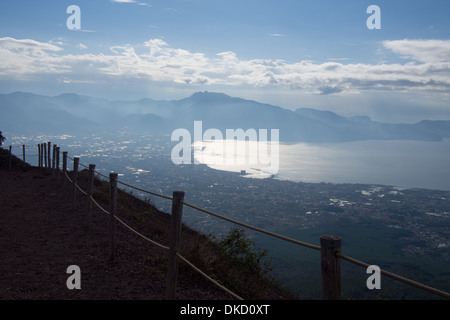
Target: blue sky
<point x="290" y="53"/>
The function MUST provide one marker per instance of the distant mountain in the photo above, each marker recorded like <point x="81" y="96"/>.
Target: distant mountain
<point x="26" y="113"/>
<point x="72" y="113"/>
<point x="362" y="128"/>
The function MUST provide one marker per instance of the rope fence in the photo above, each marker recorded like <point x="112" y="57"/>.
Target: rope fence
<point x="397" y="277"/>
<point x="308" y="245"/>
<point x="330" y="246"/>
<point x="140" y="234"/>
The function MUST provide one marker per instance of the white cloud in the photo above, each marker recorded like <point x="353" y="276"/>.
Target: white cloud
<point x="131" y="1"/>
<point x="27" y="56"/>
<point x="421" y="50"/>
<point x="28" y="46"/>
<point x="162" y="63"/>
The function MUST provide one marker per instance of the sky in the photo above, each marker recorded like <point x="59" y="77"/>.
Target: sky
<point x="322" y="54"/>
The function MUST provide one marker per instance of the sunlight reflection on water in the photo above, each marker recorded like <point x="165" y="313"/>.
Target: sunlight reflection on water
<point x="400" y="163"/>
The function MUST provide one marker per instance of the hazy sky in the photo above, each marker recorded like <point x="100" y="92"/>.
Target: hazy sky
<point x="290" y="53"/>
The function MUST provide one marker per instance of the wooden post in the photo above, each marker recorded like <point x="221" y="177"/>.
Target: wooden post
<point x="10" y="156"/>
<point x="49" y="159"/>
<point x="64" y="168"/>
<point x="23" y="152"/>
<point x="57" y="165"/>
<point x="39" y="155"/>
<point x="331" y="267"/>
<point x="45" y="154"/>
<point x="174" y="244"/>
<point x="41" y="149"/>
<point x="90" y="190"/>
<point x="76" y="160"/>
<point x="113" y="212"/>
<point x="54" y="160"/>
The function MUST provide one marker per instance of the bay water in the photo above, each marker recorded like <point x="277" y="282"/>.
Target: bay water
<point x="408" y="164"/>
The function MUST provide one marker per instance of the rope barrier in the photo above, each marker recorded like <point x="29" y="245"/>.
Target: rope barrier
<point x="152" y="241"/>
<point x="93" y="200"/>
<point x="149" y="192"/>
<point x="99" y="206"/>
<point x="81" y="190"/>
<point x="208" y="277"/>
<point x="305" y="244"/>
<point x="101" y="174"/>
<point x="70" y="180"/>
<point x="87" y="167"/>
<point x="396" y="277"/>
<point x="98" y="173"/>
<point x="141" y="235"/>
<point x="126" y="184"/>
<point x="118" y="219"/>
<point x="83" y="165"/>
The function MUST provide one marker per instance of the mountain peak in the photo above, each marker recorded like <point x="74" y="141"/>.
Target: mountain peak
<point x="209" y="95"/>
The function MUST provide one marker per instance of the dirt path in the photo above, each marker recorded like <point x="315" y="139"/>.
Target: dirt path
<point x="41" y="236"/>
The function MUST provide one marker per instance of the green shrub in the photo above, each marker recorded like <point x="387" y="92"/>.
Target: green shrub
<point x="241" y="251"/>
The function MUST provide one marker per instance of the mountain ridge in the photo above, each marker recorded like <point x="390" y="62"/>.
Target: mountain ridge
<point x="79" y="113"/>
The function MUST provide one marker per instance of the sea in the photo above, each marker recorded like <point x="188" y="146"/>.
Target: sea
<point x="406" y="164"/>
